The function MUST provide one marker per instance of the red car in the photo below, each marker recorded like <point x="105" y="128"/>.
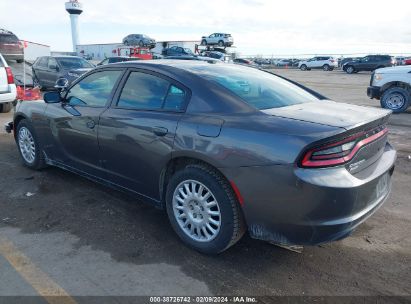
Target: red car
<point x="138" y="52"/>
<point x="407" y="61"/>
<point x="10" y="46"/>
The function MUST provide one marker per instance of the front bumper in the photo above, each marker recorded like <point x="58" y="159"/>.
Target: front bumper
<point x="295" y="206"/>
<point x="374" y="92"/>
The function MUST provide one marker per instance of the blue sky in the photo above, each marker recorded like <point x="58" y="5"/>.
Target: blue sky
<point x="258" y="26"/>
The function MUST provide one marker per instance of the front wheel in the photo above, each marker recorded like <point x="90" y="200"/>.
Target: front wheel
<point x="396" y="99"/>
<point x="203" y="42"/>
<point x="203" y="209"/>
<point x="29" y="146"/>
<point x="303" y="67"/>
<point x="221" y="43"/>
<point x="6" y="107"/>
<point x="349" y="69"/>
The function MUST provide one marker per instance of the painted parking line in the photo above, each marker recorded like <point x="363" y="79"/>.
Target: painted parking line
<point x="40" y="281"/>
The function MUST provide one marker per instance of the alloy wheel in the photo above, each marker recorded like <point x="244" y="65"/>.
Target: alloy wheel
<point x="196" y="211"/>
<point x="27" y="145"/>
<point x="395" y="101"/>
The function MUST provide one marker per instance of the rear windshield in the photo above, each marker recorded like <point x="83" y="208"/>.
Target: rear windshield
<point x="259" y="89"/>
<point x="74" y="63"/>
<point x="8" y="38"/>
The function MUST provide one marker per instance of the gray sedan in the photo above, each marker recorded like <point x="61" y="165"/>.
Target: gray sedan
<point x="140" y="40"/>
<point x="223" y="148"/>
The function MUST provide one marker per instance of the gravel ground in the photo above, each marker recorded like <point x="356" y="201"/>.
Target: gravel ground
<point x="92" y="240"/>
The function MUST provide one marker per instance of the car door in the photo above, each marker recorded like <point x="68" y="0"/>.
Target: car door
<point x="74" y="122"/>
<point x="136" y="133"/>
<point x="211" y="39"/>
<point x="40" y="70"/>
<point x="311" y="62"/>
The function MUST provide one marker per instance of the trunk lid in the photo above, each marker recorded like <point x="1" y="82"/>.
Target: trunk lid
<point x="333" y="114"/>
<point x="354" y="119"/>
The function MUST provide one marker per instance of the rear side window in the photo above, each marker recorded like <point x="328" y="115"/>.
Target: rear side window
<point x="94" y="90"/>
<point x="148" y="92"/>
<point x="8" y="39"/>
<point x="259" y="89"/>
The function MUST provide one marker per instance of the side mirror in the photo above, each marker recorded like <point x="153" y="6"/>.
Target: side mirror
<point x="52" y="97"/>
<point x="61" y="84"/>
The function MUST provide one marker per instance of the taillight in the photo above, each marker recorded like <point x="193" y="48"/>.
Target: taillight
<point x="340" y="152"/>
<point x="10" y="78"/>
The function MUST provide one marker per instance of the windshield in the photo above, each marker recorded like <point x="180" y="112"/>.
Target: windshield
<point x="74" y="63"/>
<point x="259" y="89"/>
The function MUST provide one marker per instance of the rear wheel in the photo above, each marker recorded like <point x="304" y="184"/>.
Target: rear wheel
<point x="396" y="99"/>
<point x="221" y="43"/>
<point x="141" y="43"/>
<point x="303" y="67"/>
<point x="326" y="67"/>
<point x="29" y="146"/>
<point x="126" y="42"/>
<point x="203" y="209"/>
<point x="6" y="107"/>
<point x="203" y="42"/>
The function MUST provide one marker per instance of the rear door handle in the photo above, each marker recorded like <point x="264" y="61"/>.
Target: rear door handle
<point x="160" y="131"/>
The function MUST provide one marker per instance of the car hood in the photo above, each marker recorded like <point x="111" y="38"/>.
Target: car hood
<point x="395" y="70"/>
<point x="331" y="113"/>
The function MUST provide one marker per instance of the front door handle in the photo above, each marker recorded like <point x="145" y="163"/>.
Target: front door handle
<point x="91" y="124"/>
<point x="160" y="131"/>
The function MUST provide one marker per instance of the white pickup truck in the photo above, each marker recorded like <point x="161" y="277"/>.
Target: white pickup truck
<point x="7" y="87"/>
<point x="392" y="86"/>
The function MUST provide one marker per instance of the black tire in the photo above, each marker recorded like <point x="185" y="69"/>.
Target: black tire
<point x="6" y="107"/>
<point x="326" y="67"/>
<point x="39" y="161"/>
<point x="349" y="69"/>
<point x="396" y="99"/>
<point x="303" y="67"/>
<point x="221" y="43"/>
<point x="141" y="43"/>
<point x="203" y="42"/>
<point x="19" y="60"/>
<point x="125" y="42"/>
<point x="232" y="225"/>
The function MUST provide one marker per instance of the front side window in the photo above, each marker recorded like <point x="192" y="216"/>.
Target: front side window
<point x="94" y="90"/>
<point x="148" y="92"/>
<point x="52" y="65"/>
<point x="259" y="89"/>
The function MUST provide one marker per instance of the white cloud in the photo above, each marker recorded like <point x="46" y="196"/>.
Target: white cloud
<point x="258" y="26"/>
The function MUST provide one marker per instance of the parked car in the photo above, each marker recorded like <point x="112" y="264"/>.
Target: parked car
<point x="219" y="39"/>
<point x="392" y="86"/>
<point x="348" y="59"/>
<point x="8" y="90"/>
<point x="326" y="63"/>
<point x="10" y="46"/>
<point x="407" y="61"/>
<point x="177" y="51"/>
<point x="195" y="57"/>
<point x="140" y="40"/>
<point x="284" y="62"/>
<point x="368" y="63"/>
<point x="117" y="59"/>
<point x="47" y="69"/>
<point x="222" y="148"/>
<point x="243" y="61"/>
<point x="217" y="55"/>
<point x="400" y="60"/>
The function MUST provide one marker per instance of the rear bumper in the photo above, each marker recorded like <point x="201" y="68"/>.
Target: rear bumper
<point x="295" y="206"/>
<point x="374" y="92"/>
<point x="13" y="56"/>
<point x="9" y="96"/>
